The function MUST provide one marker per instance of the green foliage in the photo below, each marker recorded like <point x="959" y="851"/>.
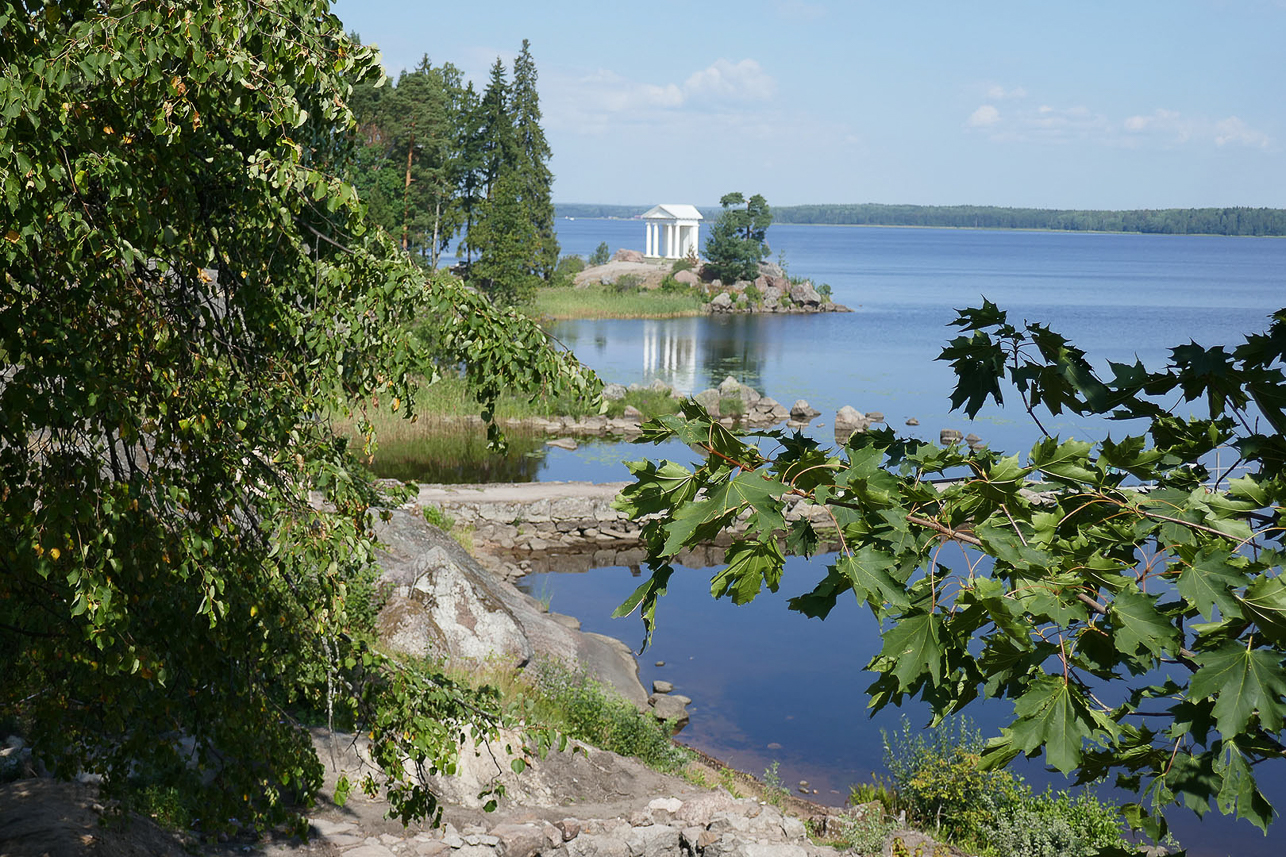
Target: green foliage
<point x="1139" y="631"/>
<point x="752" y="293"/>
<point x="862" y="833"/>
<point x="597" y="301"/>
<point x="438" y="518"/>
<point x="580" y="707"/>
<point x="825" y="291"/>
<point x="650" y="403"/>
<point x="627" y="283"/>
<point x="737" y="240"/>
<point x="775" y="791"/>
<point x="188" y="284"/>
<point x="686" y="264"/>
<point x="942" y="785"/>
<point x="565" y="273"/>
<point x="602" y="254"/>
<point x="878" y="790"/>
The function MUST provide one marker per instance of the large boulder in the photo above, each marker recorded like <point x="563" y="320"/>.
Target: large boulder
<point x="771" y="298"/>
<point x="804" y="294"/>
<point x="848" y="420"/>
<point x="687" y="278"/>
<point x="624" y="255"/>
<point x="444" y="603"/>
<point x="708" y="399"/>
<point x="771" y="269"/>
<point x="802" y="412"/>
<point x="614" y="392"/>
<point x="722" y="302"/>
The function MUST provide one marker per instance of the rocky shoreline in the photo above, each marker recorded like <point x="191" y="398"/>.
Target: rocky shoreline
<point x="580" y="802"/>
<point x="771" y="292"/>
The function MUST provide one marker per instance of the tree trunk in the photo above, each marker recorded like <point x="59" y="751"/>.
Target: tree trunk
<point x="406" y="191"/>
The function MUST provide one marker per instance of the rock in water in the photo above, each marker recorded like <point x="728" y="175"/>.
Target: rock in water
<point x="802" y="412"/>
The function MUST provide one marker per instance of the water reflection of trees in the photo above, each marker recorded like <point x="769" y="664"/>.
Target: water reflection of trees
<point x="733" y="345"/>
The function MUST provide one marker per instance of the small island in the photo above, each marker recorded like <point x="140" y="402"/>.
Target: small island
<point x="669" y="279"/>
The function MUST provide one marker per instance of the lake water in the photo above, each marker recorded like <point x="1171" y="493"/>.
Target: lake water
<point x="769" y="685"/>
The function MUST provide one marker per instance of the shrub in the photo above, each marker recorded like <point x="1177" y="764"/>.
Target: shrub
<point x="627" y="283"/>
<point x="775" y="791"/>
<point x="686" y="264"/>
<point x="825" y="291"/>
<point x="753" y="295"/>
<point x="566" y="271"/>
<point x="601" y="256"/>
<point x="939" y="783"/>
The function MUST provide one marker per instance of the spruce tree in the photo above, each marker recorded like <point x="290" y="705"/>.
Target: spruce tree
<point x="532" y="151"/>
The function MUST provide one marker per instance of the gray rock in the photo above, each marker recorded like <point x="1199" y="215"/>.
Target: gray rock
<point x="805" y="295"/>
<point x="670" y="706"/>
<point x="633" y="413"/>
<point x="614" y="392"/>
<point x="874" y="417"/>
<point x="657" y="840"/>
<point x="624" y="255"/>
<point x="708" y="399"/>
<point x="802" y="412"/>
<point x="913" y="422"/>
<point x="687" y="278"/>
<point x="659" y="686"/>
<point x="848" y="420"/>
<point x="771" y="298"/>
<point x="659" y="386"/>
<point x="729" y="386"/>
<point x="722" y="302"/>
<point x="563" y="443"/>
<point x="946" y="437"/>
<point x="772" y="269"/>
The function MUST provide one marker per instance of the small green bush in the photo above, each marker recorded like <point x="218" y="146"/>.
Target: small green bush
<point x="825" y="291"/>
<point x="940" y="786"/>
<point x="601" y="255"/>
<point x="567" y="269"/>
<point x="775" y="791"/>
<point x="753" y="295"/>
<point x="862" y="834"/>
<point x="627" y="283"/>
<point x="683" y="265"/>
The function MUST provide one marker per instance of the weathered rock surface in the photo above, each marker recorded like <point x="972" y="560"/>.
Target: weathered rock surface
<point x="445" y="603"/>
<point x="624" y="255"/>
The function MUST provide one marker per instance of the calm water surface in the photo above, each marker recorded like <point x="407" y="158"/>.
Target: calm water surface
<point x="770" y="685"/>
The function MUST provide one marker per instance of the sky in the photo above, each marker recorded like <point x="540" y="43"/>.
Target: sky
<point x="1085" y="104"/>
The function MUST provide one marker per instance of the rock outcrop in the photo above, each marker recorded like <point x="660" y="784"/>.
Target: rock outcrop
<point x="443" y="603"/>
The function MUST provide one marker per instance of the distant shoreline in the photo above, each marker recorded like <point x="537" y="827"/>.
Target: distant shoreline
<point x="976" y="228"/>
<point x="1229" y="222"/>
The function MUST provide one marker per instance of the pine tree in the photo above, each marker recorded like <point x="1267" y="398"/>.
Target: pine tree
<point x="532" y="165"/>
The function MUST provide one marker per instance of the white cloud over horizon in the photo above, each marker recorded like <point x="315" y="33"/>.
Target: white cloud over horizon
<point x="1160" y="128"/>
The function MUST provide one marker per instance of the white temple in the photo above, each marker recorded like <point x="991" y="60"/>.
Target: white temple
<point x="672" y="231"/>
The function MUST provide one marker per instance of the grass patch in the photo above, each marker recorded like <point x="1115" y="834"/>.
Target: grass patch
<point x="609" y="302"/>
<point x="650" y="403"/>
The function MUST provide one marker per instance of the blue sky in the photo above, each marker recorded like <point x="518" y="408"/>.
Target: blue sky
<point x="1124" y="104"/>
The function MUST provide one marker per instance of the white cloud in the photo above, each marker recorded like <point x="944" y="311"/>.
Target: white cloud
<point x="1162" y="128"/>
<point x="984" y="116"/>
<point x="999" y="93"/>
<point x="1233" y="130"/>
<point x="743" y="81"/>
<point x="1169" y="127"/>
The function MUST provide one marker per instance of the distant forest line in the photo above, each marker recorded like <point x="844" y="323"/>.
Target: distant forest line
<point x="1167" y="221"/>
